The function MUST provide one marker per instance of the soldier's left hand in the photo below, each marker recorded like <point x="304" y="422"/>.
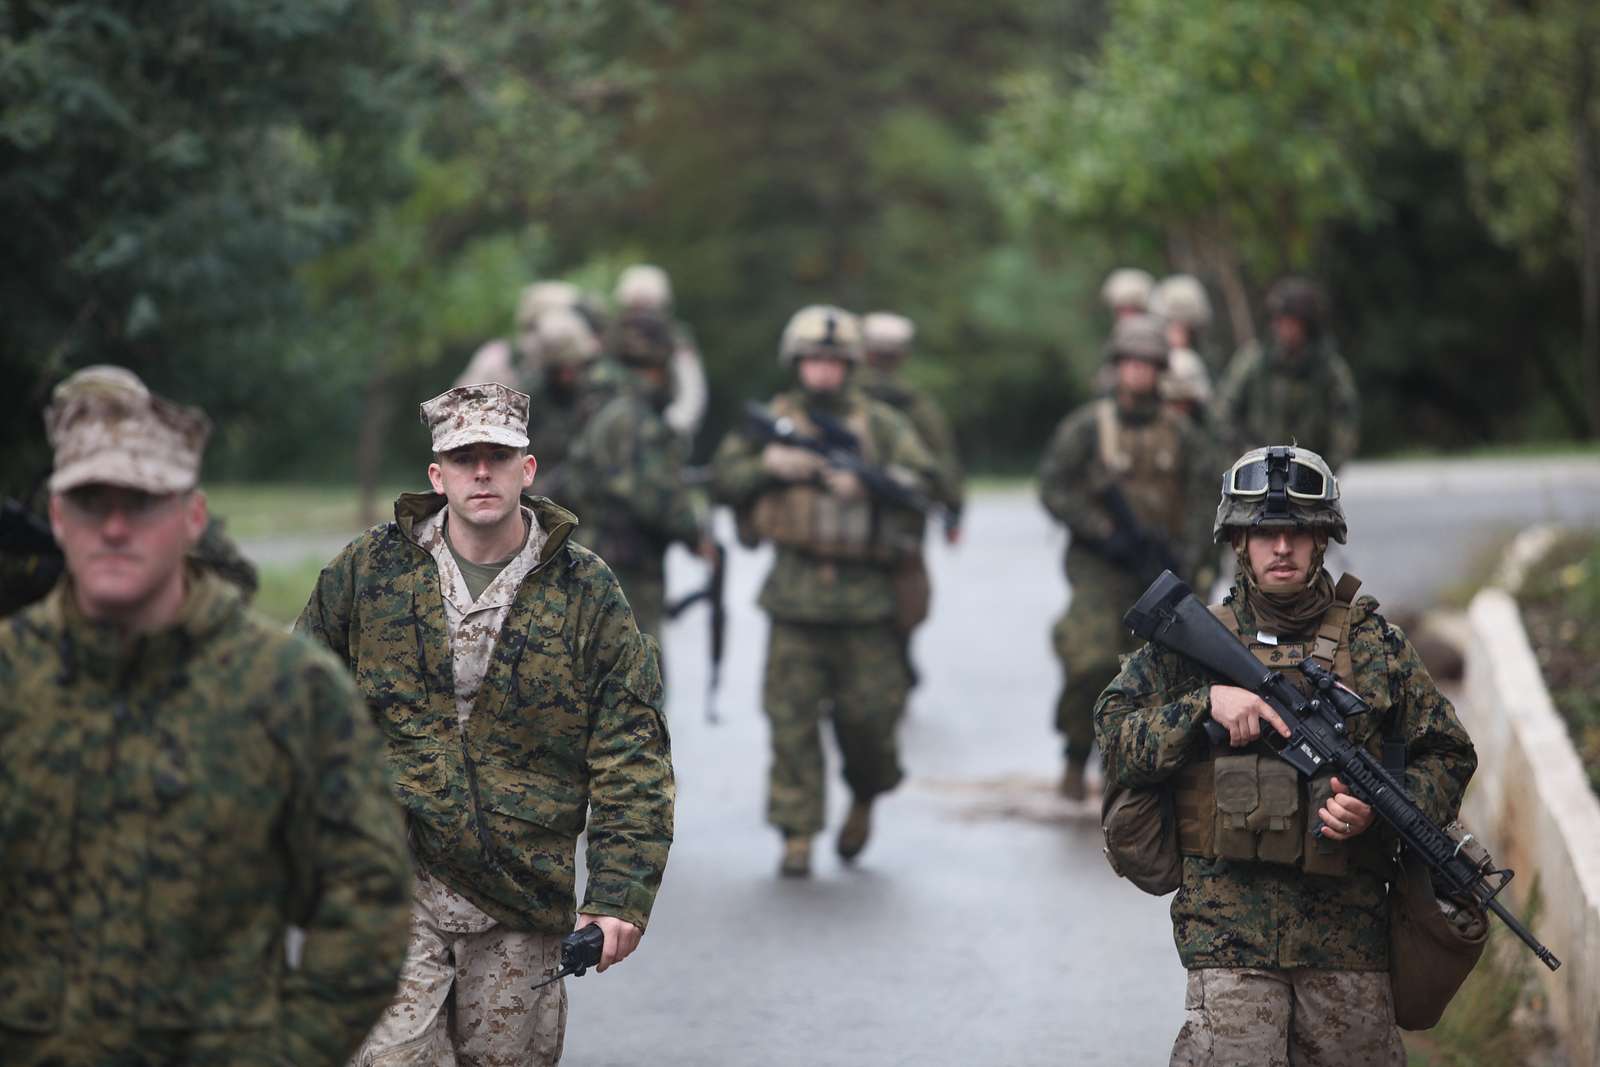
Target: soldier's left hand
<point x="844" y="484"/>
<point x="1343" y="816"/>
<point x="622" y="937"/>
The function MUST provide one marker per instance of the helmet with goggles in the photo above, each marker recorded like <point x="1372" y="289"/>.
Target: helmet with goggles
<point x="1279" y="486"/>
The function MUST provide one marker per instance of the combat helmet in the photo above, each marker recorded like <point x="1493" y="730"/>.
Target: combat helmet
<point x="565" y="338"/>
<point x="1280" y="485"/>
<point x="1299" y="298"/>
<point x="1127" y="287"/>
<point x="884" y="331"/>
<point x="1139" y="336"/>
<point x="1182" y="299"/>
<point x="821" y="330"/>
<point x="641" y="337"/>
<point x="644" y="285"/>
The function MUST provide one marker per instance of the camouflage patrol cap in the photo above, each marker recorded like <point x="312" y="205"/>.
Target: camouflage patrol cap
<point x="1181" y="298"/>
<point x="821" y="330"/>
<point x="1139" y="336"/>
<point x="642" y="337"/>
<point x="564" y="337"/>
<point x="1309" y="496"/>
<point x="884" y="331"/>
<point x="644" y="285"/>
<point x="1127" y="287"/>
<point x="1186" y="379"/>
<point x="490" y="413"/>
<point x="108" y="428"/>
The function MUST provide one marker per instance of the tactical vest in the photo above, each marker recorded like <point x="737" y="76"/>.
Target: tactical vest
<point x="806" y="517"/>
<point x="1145" y="461"/>
<point x="1252" y="805"/>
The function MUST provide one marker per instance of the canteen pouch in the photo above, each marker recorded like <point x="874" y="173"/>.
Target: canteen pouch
<point x="1433" y="945"/>
<point x="1238" y="796"/>
<point x="912" y="594"/>
<point x="1141" y="836"/>
<point x="1276" y="818"/>
<point x="1322" y="856"/>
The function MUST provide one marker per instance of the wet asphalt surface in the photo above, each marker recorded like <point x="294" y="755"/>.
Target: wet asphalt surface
<point x="982" y="924"/>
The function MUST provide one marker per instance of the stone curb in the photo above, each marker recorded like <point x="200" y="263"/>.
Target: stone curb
<point x="1531" y="802"/>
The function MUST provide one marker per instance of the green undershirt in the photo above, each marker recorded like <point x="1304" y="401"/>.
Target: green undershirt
<point x="478" y="575"/>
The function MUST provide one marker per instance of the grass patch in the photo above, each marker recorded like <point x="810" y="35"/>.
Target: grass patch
<point x="272" y="509"/>
<point x="285" y="587"/>
<point x="1497" y="1015"/>
<point x="1560" y="601"/>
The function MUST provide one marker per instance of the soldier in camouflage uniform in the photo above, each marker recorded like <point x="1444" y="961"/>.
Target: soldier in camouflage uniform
<point x="646" y="287"/>
<point x="1298" y="388"/>
<point x="1126" y="291"/>
<point x="180" y="783"/>
<point x="1281" y="918"/>
<point x="1127" y="444"/>
<point x="519" y="703"/>
<point x="833" y="648"/>
<point x="1186" y="389"/>
<point x="626" y="472"/>
<point x="1180" y="300"/>
<point x="568" y="394"/>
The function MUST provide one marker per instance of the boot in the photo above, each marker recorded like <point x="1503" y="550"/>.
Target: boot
<point x="1073" y="785"/>
<point x="855" y="831"/>
<point x="796" y="856"/>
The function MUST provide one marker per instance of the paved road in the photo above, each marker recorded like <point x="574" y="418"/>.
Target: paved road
<point x="982" y="925"/>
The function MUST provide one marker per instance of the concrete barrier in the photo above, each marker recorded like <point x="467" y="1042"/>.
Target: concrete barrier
<point x="1531" y="803"/>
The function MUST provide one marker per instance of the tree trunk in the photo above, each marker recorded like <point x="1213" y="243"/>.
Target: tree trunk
<point x="1586" y="147"/>
<point x="376" y="406"/>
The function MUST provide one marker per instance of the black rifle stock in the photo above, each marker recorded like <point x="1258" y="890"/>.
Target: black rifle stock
<point x="711" y="593"/>
<point x="1170" y="615"/>
<point x="839" y="449"/>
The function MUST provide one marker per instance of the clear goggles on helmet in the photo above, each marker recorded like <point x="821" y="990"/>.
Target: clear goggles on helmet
<point x="1301" y="480"/>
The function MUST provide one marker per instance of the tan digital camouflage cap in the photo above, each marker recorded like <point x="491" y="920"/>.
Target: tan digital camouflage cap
<point x="108" y="428"/>
<point x="489" y="413"/>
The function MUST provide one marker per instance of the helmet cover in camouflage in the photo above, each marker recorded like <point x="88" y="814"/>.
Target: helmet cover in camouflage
<point x="642" y="337"/>
<point x="540" y="297"/>
<point x="644" y="285"/>
<point x="821" y="330"/>
<point x="1127" y="287"/>
<point x="490" y="413"/>
<point x="1298" y="298"/>
<point x="108" y="428"/>
<point x="1186" y="379"/>
<point x="565" y="338"/>
<point x="1265" y="510"/>
<point x="1181" y="298"/>
<point x="1139" y="336"/>
<point x="884" y="331"/>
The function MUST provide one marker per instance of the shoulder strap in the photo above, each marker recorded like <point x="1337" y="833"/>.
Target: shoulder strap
<point x="1109" y="437"/>
<point x="1332" y="648"/>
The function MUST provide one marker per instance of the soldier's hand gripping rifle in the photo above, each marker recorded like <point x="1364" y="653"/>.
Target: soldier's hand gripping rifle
<point x="580" y="950"/>
<point x="711" y="593"/>
<point x="839" y="450"/>
<point x="1142" y="553"/>
<point x="1171" y="616"/>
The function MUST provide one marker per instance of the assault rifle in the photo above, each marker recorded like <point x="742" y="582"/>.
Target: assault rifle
<point x="711" y="593"/>
<point x="1171" y="616"/>
<point x="1140" y="551"/>
<point x="580" y="950"/>
<point x="838" y="448"/>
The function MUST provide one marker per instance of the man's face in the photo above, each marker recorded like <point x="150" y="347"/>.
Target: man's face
<point x="1290" y="332"/>
<point x="1178" y="334"/>
<point x="481" y="482"/>
<point x="124" y="547"/>
<point x="1136" y="377"/>
<point x="1280" y="558"/>
<point x="823" y="374"/>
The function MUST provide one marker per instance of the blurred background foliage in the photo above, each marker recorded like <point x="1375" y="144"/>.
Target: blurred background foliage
<point x="305" y="216"/>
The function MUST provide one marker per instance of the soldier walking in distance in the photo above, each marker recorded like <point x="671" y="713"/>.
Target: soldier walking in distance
<point x="1298" y="387"/>
<point x="626" y="472"/>
<point x="1126" y="291"/>
<point x="1280" y="918"/>
<point x="520" y="706"/>
<point x="1123" y="473"/>
<point x="646" y="287"/>
<point x="834" y="651"/>
<point x="180" y="783"/>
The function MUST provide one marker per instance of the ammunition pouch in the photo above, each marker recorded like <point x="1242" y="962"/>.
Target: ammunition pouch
<point x="809" y="518"/>
<point x="913" y="594"/>
<point x="1142" y="837"/>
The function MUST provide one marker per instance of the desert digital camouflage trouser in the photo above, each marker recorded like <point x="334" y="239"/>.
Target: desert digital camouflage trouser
<point x="855" y="675"/>
<point x="466" y="998"/>
<point x="1088" y="640"/>
<point x="1303" y="1018"/>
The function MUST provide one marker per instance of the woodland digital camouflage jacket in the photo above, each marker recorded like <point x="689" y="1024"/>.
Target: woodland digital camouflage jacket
<point x="1149" y="723"/>
<point x="169" y="806"/>
<point x="565" y="725"/>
